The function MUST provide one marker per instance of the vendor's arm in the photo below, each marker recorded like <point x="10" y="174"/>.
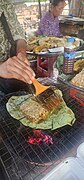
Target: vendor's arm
<point x="11" y="17"/>
<point x="15" y="28"/>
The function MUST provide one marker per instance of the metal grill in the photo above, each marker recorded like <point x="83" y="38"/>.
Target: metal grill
<point x="24" y="161"/>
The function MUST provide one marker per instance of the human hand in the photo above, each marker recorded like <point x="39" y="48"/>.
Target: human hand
<point x="21" y="45"/>
<point x="17" y="67"/>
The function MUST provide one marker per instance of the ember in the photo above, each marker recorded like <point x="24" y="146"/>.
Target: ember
<point x="39" y="137"/>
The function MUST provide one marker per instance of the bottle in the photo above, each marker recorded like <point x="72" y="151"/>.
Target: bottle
<point x="69" y="56"/>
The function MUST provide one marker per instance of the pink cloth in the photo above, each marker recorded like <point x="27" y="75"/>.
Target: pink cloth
<point x="49" y="25"/>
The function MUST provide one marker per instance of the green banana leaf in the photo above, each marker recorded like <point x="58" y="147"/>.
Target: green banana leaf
<point x="60" y="117"/>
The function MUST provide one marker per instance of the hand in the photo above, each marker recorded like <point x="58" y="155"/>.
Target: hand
<point x="21" y="44"/>
<point x="17" y="67"/>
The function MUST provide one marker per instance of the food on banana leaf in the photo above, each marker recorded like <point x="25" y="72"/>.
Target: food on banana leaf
<point x="34" y="111"/>
<point x="38" y="110"/>
<point x="78" y="80"/>
<point x="61" y="116"/>
<point x="79" y="65"/>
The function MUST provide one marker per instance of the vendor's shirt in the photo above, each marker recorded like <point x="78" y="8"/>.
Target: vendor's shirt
<point x="49" y="25"/>
<point x="16" y="30"/>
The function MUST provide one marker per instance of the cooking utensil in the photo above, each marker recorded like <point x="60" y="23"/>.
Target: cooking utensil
<point x="46" y="96"/>
<point x="39" y="87"/>
<point x="59" y="118"/>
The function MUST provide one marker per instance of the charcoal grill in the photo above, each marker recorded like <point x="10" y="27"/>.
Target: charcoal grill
<point x="24" y="161"/>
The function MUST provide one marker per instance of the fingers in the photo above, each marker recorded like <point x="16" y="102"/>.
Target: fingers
<point x="23" y="66"/>
<point x="22" y="57"/>
<point x="21" y="45"/>
<point x="18" y="75"/>
<point x="16" y="68"/>
<point x="20" y="70"/>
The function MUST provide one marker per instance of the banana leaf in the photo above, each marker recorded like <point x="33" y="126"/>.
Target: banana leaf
<point x="59" y="118"/>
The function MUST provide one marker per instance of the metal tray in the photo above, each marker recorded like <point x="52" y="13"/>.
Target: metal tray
<point x="55" y="51"/>
<point x="70" y="85"/>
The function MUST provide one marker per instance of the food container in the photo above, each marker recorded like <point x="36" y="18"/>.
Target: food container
<point x="80" y="152"/>
<point x="71" y="168"/>
<point x="45" y="64"/>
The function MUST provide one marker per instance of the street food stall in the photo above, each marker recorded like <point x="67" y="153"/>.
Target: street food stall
<point x="42" y="137"/>
<point x="30" y="151"/>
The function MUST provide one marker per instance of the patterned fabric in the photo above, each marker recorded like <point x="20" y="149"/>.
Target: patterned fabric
<point x="49" y="25"/>
<point x="16" y="30"/>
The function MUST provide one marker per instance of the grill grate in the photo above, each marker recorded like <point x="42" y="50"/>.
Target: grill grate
<point x="24" y="161"/>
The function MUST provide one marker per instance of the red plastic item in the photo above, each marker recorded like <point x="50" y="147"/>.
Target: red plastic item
<point x="45" y="66"/>
<point x="78" y="95"/>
